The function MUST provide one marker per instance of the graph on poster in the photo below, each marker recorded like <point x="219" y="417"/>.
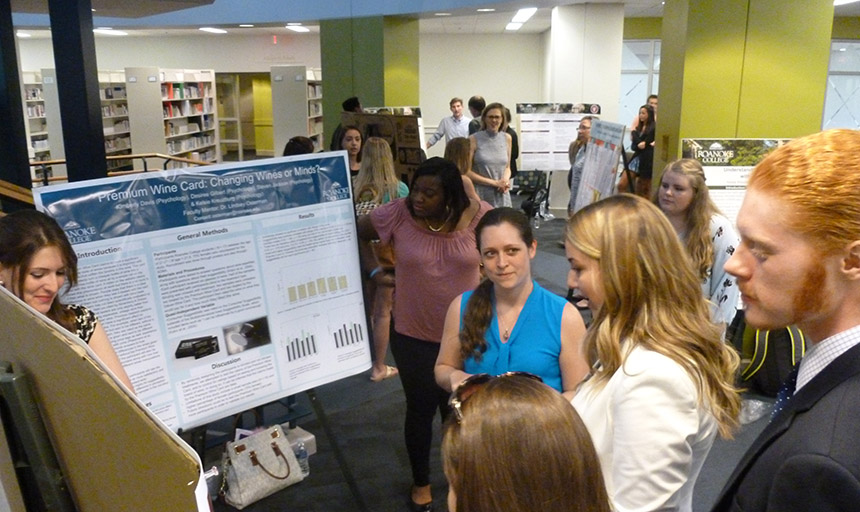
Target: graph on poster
<point x="296" y="287"/>
<point x="300" y="339"/>
<point x="301" y="347"/>
<point x="347" y="334"/>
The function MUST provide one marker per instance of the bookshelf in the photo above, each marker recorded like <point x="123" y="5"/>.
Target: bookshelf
<point x="37" y="121"/>
<point x="173" y="111"/>
<point x="115" y="122"/>
<point x="297" y="105"/>
<point x="229" y="118"/>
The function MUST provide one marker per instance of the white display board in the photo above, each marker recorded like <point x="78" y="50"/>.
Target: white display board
<point x="546" y="131"/>
<point x="727" y="164"/>
<point x="601" y="163"/>
<point x="224" y="287"/>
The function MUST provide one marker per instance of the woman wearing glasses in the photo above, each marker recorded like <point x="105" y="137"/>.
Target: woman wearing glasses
<point x="510" y="322"/>
<point x="516" y="445"/>
<point x="491" y="157"/>
<point x="661" y="386"/>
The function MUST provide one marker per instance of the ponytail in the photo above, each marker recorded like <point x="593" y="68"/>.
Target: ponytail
<point x="476" y="321"/>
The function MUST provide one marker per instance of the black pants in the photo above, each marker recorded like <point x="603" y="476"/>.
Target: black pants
<point x="415" y="359"/>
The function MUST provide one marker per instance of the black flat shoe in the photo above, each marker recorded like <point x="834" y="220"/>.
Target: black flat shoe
<point x="424" y="507"/>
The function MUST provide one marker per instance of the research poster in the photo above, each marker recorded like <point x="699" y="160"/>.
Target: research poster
<point x="546" y="131"/>
<point x="221" y="288"/>
<point x="601" y="163"/>
<point x="401" y="127"/>
<point x="727" y="164"/>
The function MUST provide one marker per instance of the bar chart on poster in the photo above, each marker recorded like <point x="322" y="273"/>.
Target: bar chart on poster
<point x="221" y="288"/>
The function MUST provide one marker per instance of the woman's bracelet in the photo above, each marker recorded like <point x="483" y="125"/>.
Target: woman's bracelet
<point x="374" y="272"/>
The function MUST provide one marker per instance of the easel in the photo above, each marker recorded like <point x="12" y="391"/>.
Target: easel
<point x="40" y="478"/>
<point x="628" y="173"/>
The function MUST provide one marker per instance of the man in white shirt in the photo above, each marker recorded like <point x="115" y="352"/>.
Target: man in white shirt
<point x="451" y="127"/>
<point x="799" y="263"/>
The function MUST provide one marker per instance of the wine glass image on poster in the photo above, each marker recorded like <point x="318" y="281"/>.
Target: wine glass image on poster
<point x="247" y="335"/>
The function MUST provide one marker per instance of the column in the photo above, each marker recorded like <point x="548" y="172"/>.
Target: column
<point x="741" y="68"/>
<point x="14" y="160"/>
<point x="374" y="58"/>
<point x="583" y="50"/>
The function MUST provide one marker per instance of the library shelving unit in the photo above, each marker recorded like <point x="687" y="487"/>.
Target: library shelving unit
<point x="297" y="105"/>
<point x="173" y="111"/>
<point x="37" y="121"/>
<point x="54" y="126"/>
<point x="230" y="124"/>
<point x="115" y="123"/>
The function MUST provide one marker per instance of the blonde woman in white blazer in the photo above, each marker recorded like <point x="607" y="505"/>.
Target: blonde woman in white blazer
<point x="661" y="386"/>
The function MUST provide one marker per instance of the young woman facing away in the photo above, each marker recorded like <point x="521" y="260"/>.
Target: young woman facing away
<point x="459" y="151"/>
<point x="377" y="183"/>
<point x="514" y="444"/>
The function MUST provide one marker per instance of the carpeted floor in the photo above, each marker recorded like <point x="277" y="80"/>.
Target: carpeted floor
<point x="367" y="422"/>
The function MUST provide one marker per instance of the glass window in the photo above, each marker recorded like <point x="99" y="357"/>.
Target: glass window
<point x="640" y="68"/>
<point x="842" y="98"/>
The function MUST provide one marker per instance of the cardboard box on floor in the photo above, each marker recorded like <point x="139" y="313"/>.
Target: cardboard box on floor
<point x="114" y="454"/>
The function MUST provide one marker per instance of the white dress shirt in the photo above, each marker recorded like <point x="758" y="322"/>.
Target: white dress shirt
<point x="823" y="353"/>
<point x="451" y="128"/>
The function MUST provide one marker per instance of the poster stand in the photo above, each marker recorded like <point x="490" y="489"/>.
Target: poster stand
<point x="338" y="454"/>
<point x="628" y="173"/>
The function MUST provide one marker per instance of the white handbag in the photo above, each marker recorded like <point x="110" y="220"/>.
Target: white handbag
<point x="257" y="466"/>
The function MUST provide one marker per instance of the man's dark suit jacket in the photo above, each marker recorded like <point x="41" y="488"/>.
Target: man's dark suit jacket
<point x="808" y="457"/>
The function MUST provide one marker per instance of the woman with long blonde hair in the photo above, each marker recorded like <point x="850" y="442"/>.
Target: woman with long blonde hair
<point x="377" y="184"/>
<point x="661" y="386"/>
<point x="706" y="234"/>
<point x="376" y="180"/>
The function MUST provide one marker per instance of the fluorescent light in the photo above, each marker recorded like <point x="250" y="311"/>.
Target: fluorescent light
<point x="246" y="25"/>
<point x="843" y="2"/>
<point x="442" y="14"/>
<point x="213" y="30"/>
<point x="106" y="31"/>
<point x="513" y="26"/>
<point x="486" y="10"/>
<point x="523" y="15"/>
<point x="297" y="28"/>
<point x="23" y="35"/>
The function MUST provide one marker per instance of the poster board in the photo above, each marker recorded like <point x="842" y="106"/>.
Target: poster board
<point x="546" y="131"/>
<point x="601" y="163"/>
<point x="727" y="164"/>
<point x="224" y="287"/>
<point x="114" y="453"/>
<point x="401" y="127"/>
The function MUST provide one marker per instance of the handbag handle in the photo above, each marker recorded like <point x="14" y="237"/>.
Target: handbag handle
<point x="279" y="453"/>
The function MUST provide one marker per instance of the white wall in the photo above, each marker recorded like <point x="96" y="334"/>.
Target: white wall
<point x="224" y="54"/>
<point x="507" y="68"/>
